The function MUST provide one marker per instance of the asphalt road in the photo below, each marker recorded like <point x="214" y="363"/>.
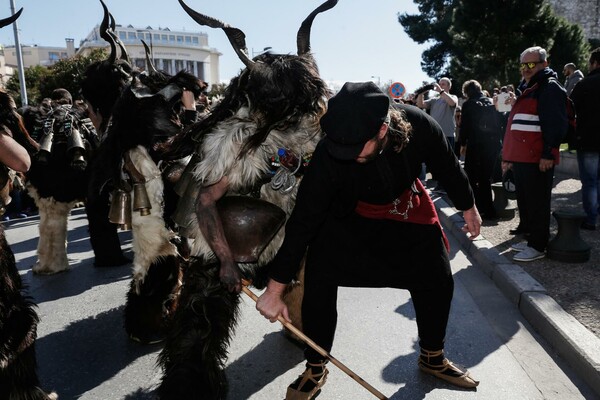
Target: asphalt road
<point x="84" y="353"/>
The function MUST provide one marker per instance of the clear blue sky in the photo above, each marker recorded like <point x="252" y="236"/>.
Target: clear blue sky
<point x="354" y="41"/>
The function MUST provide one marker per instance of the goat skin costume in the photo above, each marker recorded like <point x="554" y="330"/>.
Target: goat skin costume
<point x="218" y="155"/>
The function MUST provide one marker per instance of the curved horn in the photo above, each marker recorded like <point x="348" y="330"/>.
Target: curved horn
<point x="11" y="19"/>
<point x="105" y="35"/>
<point x="113" y="24"/>
<point x="148" y="59"/>
<point x="303" y="38"/>
<point x="236" y="37"/>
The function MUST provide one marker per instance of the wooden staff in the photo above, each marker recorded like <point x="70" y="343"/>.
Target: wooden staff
<point x="318" y="348"/>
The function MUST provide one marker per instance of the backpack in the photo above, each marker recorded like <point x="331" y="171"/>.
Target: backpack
<point x="489" y="122"/>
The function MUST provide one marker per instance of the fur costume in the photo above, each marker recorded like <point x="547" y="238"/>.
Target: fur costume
<point x="57" y="181"/>
<point x="18" y="330"/>
<point x="155" y="264"/>
<point x="275" y="103"/>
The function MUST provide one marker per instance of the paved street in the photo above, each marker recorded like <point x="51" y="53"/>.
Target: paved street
<point x="83" y="352"/>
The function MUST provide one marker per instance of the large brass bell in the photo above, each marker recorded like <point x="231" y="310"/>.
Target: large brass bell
<point x="141" y="201"/>
<point x="76" y="149"/>
<point x="120" y="209"/>
<point x="45" y="147"/>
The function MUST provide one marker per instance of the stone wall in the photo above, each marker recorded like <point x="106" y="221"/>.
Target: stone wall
<point x="584" y="12"/>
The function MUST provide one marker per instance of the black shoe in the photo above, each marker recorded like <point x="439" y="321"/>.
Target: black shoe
<point x="588" y="226"/>
<point x="518" y="231"/>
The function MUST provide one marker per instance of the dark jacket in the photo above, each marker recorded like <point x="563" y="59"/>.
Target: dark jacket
<point x="538" y="121"/>
<point x="586" y="96"/>
<point x="330" y="190"/>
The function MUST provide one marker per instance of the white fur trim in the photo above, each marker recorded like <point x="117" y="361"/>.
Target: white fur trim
<point x="219" y="157"/>
<point x="151" y="239"/>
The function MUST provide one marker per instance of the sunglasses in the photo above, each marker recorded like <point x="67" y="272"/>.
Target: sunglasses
<point x="529" y="65"/>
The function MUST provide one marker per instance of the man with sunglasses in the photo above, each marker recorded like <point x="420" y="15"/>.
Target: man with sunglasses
<point x="536" y="126"/>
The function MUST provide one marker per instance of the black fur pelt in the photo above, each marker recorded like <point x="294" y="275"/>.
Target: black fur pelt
<point x="195" y="351"/>
<point x="150" y="306"/>
<point x="18" y="331"/>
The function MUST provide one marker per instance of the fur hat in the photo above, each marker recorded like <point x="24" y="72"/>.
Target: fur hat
<point x="354" y="116"/>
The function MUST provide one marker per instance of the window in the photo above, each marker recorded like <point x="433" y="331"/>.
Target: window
<point x="195" y="39"/>
<point x="167" y="66"/>
<point x="131" y="35"/>
<point x="163" y="38"/>
<point x="200" y="66"/>
<point x="171" y="38"/>
<point x="179" y="39"/>
<point x="122" y="35"/>
<point x="53" y="56"/>
<point x="156" y="36"/>
<point x="188" y="39"/>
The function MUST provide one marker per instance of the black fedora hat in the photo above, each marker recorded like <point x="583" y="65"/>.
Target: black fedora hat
<point x="354" y="116"/>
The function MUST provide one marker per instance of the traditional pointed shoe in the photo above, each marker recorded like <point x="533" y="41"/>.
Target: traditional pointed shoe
<point x="445" y="370"/>
<point x="307" y="385"/>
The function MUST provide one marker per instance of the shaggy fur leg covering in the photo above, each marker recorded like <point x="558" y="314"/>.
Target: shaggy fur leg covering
<point x="18" y="331"/>
<point x="148" y="302"/>
<point x="52" y="245"/>
<point x="292" y="297"/>
<point x="195" y="350"/>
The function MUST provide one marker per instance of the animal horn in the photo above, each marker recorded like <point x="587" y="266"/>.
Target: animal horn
<point x="303" y="38"/>
<point x="124" y="55"/>
<point x="236" y="36"/>
<point x="106" y="36"/>
<point x="11" y="19"/>
<point x="151" y="66"/>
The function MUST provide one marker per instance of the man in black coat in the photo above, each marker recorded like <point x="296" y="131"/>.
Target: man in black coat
<point x="586" y="97"/>
<point x="369" y="222"/>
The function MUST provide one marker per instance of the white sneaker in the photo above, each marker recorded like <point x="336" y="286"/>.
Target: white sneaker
<point x="529" y="254"/>
<point x="519" y="246"/>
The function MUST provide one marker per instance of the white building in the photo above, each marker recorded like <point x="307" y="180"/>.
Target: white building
<point x="172" y="51"/>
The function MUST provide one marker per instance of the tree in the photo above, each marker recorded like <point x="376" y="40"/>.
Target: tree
<point x="570" y="46"/>
<point x="33" y="76"/>
<point x="432" y="24"/>
<point x="473" y="39"/>
<point x="490" y="36"/>
<point x="68" y="73"/>
<point x="41" y="81"/>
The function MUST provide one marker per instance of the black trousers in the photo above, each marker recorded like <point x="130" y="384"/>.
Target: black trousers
<point x="377" y="254"/>
<point x="534" y="191"/>
<point x="103" y="234"/>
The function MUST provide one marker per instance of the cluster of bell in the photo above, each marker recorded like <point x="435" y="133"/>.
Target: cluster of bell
<point x="75" y="145"/>
<point x="122" y="204"/>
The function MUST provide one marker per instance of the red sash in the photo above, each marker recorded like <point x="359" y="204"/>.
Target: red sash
<point x="413" y="205"/>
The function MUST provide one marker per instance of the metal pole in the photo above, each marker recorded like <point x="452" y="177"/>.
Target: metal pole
<point x="19" y="58"/>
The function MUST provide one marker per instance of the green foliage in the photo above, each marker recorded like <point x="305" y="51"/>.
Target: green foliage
<point x="570" y="46"/>
<point x="33" y="76"/>
<point x="41" y="81"/>
<point x="482" y="40"/>
<point x="217" y="90"/>
<point x="492" y="34"/>
<point x="432" y="24"/>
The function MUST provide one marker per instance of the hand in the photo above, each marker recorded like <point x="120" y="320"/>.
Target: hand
<point x="505" y="166"/>
<point x="188" y="100"/>
<point x="270" y="304"/>
<point x="437" y="87"/>
<point x="512" y="98"/>
<point x="231" y="276"/>
<point x="463" y="151"/>
<point x="546" y="164"/>
<point x="472" y="222"/>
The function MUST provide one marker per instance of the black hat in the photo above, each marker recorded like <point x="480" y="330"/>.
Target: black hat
<point x="354" y="116"/>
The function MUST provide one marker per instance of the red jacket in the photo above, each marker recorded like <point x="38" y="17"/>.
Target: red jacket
<point x="537" y="123"/>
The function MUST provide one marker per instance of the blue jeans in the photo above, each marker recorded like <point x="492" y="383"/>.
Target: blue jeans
<point x="589" y="173"/>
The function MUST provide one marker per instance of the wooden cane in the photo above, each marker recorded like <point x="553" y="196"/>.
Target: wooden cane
<point x="318" y="348"/>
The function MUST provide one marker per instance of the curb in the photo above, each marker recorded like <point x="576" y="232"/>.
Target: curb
<point x="572" y="341"/>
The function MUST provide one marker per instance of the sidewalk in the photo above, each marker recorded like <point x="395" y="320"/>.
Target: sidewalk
<point x="573" y="341"/>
